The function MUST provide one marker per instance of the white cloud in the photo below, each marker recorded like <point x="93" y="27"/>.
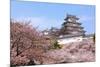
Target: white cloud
<point x="86" y="18"/>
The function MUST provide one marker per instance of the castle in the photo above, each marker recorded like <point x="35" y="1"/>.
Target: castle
<point x="71" y="31"/>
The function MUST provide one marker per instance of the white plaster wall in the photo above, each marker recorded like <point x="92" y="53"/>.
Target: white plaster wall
<point x="69" y="40"/>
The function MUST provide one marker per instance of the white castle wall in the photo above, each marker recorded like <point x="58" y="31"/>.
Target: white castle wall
<point x="69" y="40"/>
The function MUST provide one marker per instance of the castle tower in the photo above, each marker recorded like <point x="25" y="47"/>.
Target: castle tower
<point x="71" y="26"/>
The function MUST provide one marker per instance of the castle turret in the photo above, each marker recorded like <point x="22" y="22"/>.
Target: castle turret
<point x="71" y="26"/>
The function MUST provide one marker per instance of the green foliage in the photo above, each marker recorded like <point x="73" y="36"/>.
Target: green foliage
<point x="56" y="45"/>
<point x="94" y="37"/>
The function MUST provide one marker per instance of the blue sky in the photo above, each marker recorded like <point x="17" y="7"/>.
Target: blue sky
<point x="47" y="15"/>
